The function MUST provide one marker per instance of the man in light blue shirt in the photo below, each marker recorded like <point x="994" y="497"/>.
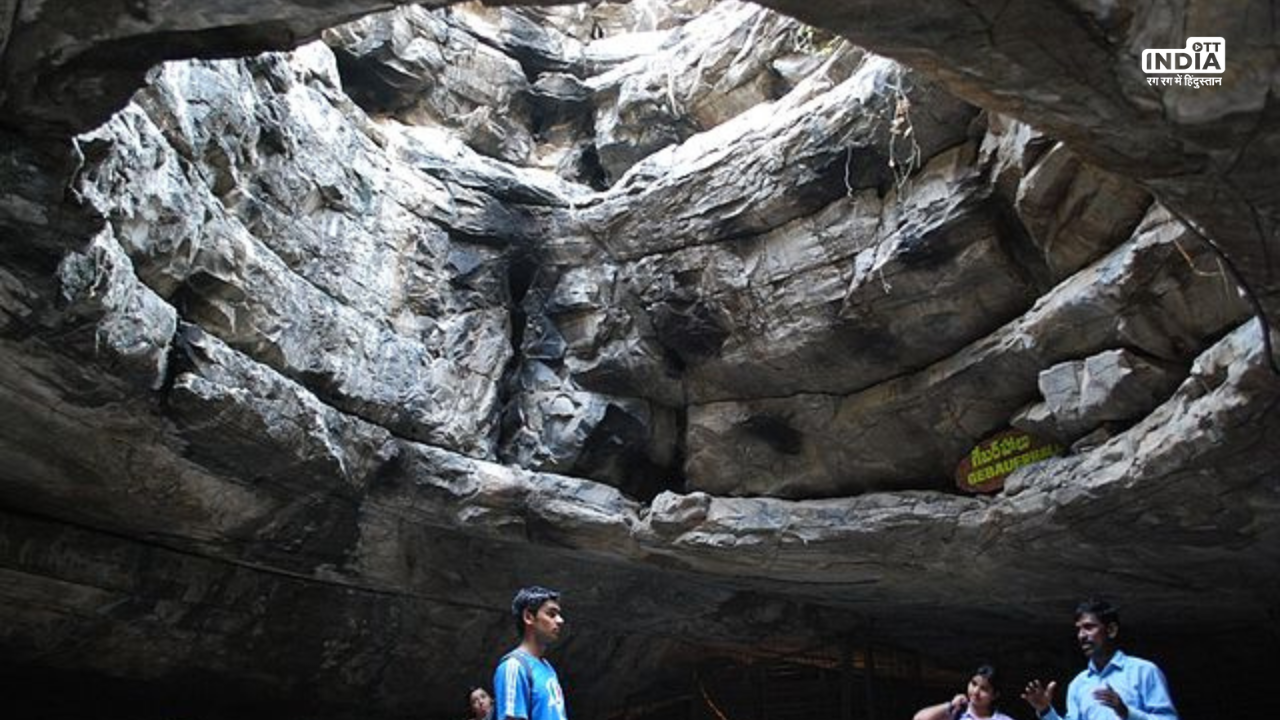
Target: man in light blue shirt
<point x="1114" y="685"/>
<point x="525" y="686"/>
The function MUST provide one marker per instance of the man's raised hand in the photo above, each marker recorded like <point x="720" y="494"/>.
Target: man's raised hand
<point x="1039" y="696"/>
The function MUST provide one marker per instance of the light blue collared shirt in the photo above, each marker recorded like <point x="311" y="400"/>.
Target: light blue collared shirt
<point x="1138" y="682"/>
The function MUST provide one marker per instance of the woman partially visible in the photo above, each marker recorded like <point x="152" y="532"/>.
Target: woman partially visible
<point x="978" y="703"/>
<point x="481" y="703"/>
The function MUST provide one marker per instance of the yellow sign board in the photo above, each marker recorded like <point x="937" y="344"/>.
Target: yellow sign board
<point x="984" y="469"/>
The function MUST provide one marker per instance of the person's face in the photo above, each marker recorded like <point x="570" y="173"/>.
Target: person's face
<point x="981" y="695"/>
<point x="481" y="703"/>
<point x="1093" y="636"/>
<point x="547" y="622"/>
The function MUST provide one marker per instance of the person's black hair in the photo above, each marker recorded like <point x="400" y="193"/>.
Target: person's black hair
<point x="1101" y="609"/>
<point x="529" y="598"/>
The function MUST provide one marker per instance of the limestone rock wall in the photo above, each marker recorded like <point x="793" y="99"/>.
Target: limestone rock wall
<point x="319" y="264"/>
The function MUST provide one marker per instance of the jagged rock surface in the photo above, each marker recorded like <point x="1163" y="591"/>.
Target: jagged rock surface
<point x="1111" y="387"/>
<point x="294" y="391"/>
<point x="417" y="66"/>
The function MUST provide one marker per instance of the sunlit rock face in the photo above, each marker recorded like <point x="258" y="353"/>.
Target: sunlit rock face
<point x="311" y="357"/>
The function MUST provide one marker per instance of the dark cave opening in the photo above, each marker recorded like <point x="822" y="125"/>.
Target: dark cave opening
<point x="853" y="680"/>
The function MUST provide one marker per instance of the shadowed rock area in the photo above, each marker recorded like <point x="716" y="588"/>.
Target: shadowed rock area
<point x="325" y="326"/>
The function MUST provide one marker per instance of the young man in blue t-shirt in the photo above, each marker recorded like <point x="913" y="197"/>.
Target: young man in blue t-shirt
<point x="525" y="686"/>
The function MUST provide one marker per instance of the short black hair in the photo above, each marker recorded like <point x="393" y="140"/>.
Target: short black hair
<point x="529" y="598"/>
<point x="1099" y="608"/>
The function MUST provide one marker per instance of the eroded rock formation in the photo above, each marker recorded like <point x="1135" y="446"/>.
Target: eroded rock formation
<point x="311" y="357"/>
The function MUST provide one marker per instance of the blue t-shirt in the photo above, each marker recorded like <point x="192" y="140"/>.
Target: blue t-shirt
<point x="513" y="689"/>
